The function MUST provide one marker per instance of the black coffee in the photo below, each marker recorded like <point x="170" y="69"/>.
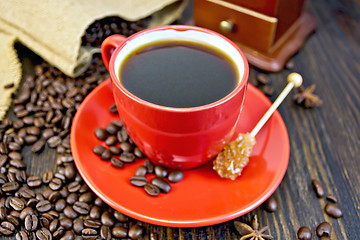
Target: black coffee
<point x="178" y="74"/>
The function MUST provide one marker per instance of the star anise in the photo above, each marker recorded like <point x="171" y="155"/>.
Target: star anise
<point x="307" y="98"/>
<point x="252" y="233"/>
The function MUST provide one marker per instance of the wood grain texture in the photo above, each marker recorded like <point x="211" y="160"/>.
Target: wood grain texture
<point x="324" y="141"/>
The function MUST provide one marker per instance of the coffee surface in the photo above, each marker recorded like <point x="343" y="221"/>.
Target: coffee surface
<point x="178" y="74"/>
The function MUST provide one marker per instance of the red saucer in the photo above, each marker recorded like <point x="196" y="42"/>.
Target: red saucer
<point x="202" y="197"/>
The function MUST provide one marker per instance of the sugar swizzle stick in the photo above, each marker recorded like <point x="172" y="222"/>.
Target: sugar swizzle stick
<point x="230" y="162"/>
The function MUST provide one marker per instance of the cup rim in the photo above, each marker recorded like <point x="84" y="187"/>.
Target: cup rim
<point x="232" y="94"/>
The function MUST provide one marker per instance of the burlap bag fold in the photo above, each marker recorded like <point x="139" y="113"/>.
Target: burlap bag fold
<point x="10" y="71"/>
<point x="53" y="29"/>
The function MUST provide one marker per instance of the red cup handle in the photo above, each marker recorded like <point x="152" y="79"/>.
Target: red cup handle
<point x="109" y="45"/>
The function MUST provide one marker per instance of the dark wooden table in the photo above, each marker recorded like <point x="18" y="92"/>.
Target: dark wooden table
<point x="324" y="141"/>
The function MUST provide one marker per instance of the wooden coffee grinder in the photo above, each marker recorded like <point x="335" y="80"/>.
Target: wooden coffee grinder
<point x="269" y="32"/>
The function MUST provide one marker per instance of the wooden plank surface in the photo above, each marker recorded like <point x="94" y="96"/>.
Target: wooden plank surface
<point x="324" y="141"/>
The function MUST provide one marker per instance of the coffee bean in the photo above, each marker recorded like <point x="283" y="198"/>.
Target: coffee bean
<point x="43" y="234"/>
<point x="267" y="90"/>
<point x="271" y="204"/>
<point x="64" y="192"/>
<point x="135" y="232"/>
<point x="67" y="159"/>
<point x="127" y="157"/>
<point x="319" y="190"/>
<point x="66" y="223"/>
<point x="48" y="133"/>
<point x="69" y="212"/>
<point x="30" y="139"/>
<point x="304" y="233"/>
<point x="175" y="176"/>
<point x="44" y="222"/>
<point x="323" y="229"/>
<point x="60" y="174"/>
<point x="160" y="171"/>
<point x="54" y="141"/>
<point x="111" y="129"/>
<point x="54" y="196"/>
<point x="138" y="153"/>
<point x="105" y="233"/>
<point x="89" y="233"/>
<point x="119" y="232"/>
<point x="14" y="155"/>
<point x="74" y="186"/>
<point x="17" y="163"/>
<point x="10" y="187"/>
<point x="107" y="219"/>
<point x="324" y="238"/>
<point x="33" y="130"/>
<point x="32" y="202"/>
<point x="54" y="225"/>
<point x="81" y="208"/>
<point x="38" y="146"/>
<point x="86" y="197"/>
<point x="43" y="206"/>
<point x="120" y="217"/>
<point x="31" y="222"/>
<point x="39" y="122"/>
<point x="78" y="225"/>
<point x="92" y="223"/>
<point x="117" y="162"/>
<point x="17" y="204"/>
<point x="47" y="177"/>
<point x="21" y="235"/>
<point x="263" y="78"/>
<point x="113" y="108"/>
<point x="161" y="184"/>
<point x="114" y="150"/>
<point x="101" y="134"/>
<point x="34" y="181"/>
<point x="70" y="171"/>
<point x="141" y="171"/>
<point x="27" y="193"/>
<point x="138" y="181"/>
<point x="7" y="228"/>
<point x="25" y="212"/>
<point x="333" y="210"/>
<point x="13" y="146"/>
<point x="3" y="178"/>
<point x="122" y="135"/>
<point x="55" y="184"/>
<point x="152" y="190"/>
<point x="95" y="212"/>
<point x="106" y="155"/>
<point x="84" y="188"/>
<point x="98" y="150"/>
<point x="111" y="140"/>
<point x="126" y="147"/>
<point x="45" y="194"/>
<point x="59" y="232"/>
<point x="60" y="205"/>
<point x="331" y="198"/>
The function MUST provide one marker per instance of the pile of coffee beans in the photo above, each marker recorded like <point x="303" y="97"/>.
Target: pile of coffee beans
<point x="56" y="204"/>
<point x="263" y="83"/>
<point x="101" y="29"/>
<point x="158" y="183"/>
<point x="118" y="147"/>
<point x="331" y="208"/>
<point x="323" y="230"/>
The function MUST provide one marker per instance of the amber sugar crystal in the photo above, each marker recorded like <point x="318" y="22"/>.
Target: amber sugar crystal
<point x="235" y="156"/>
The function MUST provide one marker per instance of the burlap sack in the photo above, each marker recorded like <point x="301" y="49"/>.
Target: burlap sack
<point x="53" y="29"/>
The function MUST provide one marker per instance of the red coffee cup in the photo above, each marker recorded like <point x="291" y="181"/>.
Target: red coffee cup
<point x="180" y="138"/>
